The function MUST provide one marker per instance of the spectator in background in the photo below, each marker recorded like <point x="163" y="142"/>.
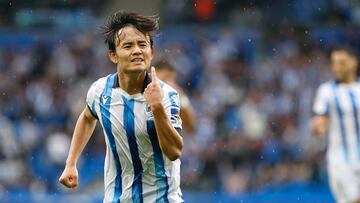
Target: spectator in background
<point x="167" y="73"/>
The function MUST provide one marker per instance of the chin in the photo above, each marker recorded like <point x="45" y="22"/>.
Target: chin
<point x="135" y="69"/>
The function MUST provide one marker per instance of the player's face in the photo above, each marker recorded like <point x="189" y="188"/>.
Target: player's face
<point x="133" y="51"/>
<point x="343" y="65"/>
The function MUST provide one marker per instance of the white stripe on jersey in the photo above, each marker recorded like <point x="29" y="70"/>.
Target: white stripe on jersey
<point x="341" y="102"/>
<point x="136" y="147"/>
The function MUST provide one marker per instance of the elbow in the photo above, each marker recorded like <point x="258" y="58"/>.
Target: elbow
<point x="174" y="155"/>
<point x="317" y="128"/>
<point x="174" y="152"/>
<point x="319" y="131"/>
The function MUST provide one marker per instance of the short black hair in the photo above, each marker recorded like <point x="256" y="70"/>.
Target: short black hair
<point x="348" y="49"/>
<point x="120" y="19"/>
<point x="163" y="64"/>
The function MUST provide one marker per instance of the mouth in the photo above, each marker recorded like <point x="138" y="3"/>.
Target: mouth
<point x="137" y="60"/>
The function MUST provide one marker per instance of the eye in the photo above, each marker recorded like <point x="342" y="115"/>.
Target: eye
<point x="127" y="46"/>
<point x="143" y="45"/>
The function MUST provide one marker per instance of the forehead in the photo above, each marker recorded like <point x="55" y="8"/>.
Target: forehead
<point x="340" y="54"/>
<point x="130" y="33"/>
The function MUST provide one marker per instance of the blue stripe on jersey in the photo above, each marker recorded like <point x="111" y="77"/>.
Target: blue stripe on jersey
<point x="105" y="115"/>
<point x="129" y="125"/>
<point x="342" y="125"/>
<point x="356" y="120"/>
<point x="161" y="182"/>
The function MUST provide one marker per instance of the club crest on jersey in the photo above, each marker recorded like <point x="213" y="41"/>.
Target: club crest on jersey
<point x="105" y="98"/>
<point x="148" y="111"/>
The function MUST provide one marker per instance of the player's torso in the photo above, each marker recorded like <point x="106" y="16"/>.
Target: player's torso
<point x="131" y="122"/>
<point x="344" y="125"/>
<point x="135" y="167"/>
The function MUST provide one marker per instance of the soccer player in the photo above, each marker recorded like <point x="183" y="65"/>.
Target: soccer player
<point x="167" y="73"/>
<point x="337" y="109"/>
<point x="140" y="118"/>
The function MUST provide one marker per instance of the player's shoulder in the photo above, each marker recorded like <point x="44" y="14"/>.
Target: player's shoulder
<point x="327" y="85"/>
<point x="170" y="95"/>
<point x="168" y="90"/>
<point x="99" y="84"/>
<point x="326" y="89"/>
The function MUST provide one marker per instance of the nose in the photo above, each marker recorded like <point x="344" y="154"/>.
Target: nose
<point x="136" y="50"/>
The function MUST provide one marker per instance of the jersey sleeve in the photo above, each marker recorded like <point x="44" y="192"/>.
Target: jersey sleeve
<point x="91" y="99"/>
<point x="172" y="108"/>
<point x="321" y="102"/>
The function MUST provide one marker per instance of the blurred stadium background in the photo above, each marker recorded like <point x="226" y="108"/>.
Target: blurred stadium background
<point x="250" y="68"/>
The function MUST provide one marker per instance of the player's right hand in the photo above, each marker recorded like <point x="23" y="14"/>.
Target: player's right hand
<point x="69" y="177"/>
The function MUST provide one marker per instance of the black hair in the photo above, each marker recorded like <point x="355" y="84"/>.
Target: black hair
<point x="348" y="49"/>
<point x="120" y="19"/>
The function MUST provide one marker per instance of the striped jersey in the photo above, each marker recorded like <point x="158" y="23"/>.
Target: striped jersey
<point x="135" y="169"/>
<point x="341" y="103"/>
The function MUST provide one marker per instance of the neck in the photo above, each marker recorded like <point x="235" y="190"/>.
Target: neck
<point x="350" y="79"/>
<point x="131" y="83"/>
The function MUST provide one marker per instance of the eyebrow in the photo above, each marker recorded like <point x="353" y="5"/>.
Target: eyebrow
<point x="138" y="41"/>
<point x="126" y="43"/>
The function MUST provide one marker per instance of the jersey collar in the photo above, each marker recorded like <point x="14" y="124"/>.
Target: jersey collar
<point x="146" y="82"/>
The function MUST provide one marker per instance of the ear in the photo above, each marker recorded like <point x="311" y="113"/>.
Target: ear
<point x="356" y="65"/>
<point x="112" y="56"/>
<point x="152" y="52"/>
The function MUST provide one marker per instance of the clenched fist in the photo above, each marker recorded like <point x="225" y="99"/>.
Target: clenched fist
<point x="153" y="92"/>
<point x="69" y="177"/>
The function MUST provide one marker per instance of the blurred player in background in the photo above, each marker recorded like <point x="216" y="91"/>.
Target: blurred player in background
<point x="167" y="73"/>
<point x="140" y="118"/>
<point x="337" y="109"/>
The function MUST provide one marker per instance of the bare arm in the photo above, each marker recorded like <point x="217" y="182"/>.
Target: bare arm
<point x="171" y="143"/>
<point x="84" y="128"/>
<point x="187" y="114"/>
<point x="319" y="124"/>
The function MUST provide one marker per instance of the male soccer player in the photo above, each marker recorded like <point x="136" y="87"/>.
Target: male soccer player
<point x="139" y="116"/>
<point x="337" y="109"/>
<point x="167" y="73"/>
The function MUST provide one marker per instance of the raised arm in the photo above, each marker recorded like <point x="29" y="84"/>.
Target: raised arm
<point x="171" y="143"/>
<point x="84" y="128"/>
<point x="187" y="114"/>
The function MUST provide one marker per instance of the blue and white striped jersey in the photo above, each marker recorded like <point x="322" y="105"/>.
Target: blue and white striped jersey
<point x="341" y="102"/>
<point x="135" y="170"/>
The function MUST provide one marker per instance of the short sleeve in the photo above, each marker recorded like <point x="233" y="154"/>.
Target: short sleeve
<point x="321" y="102"/>
<point x="91" y="99"/>
<point x="172" y="108"/>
